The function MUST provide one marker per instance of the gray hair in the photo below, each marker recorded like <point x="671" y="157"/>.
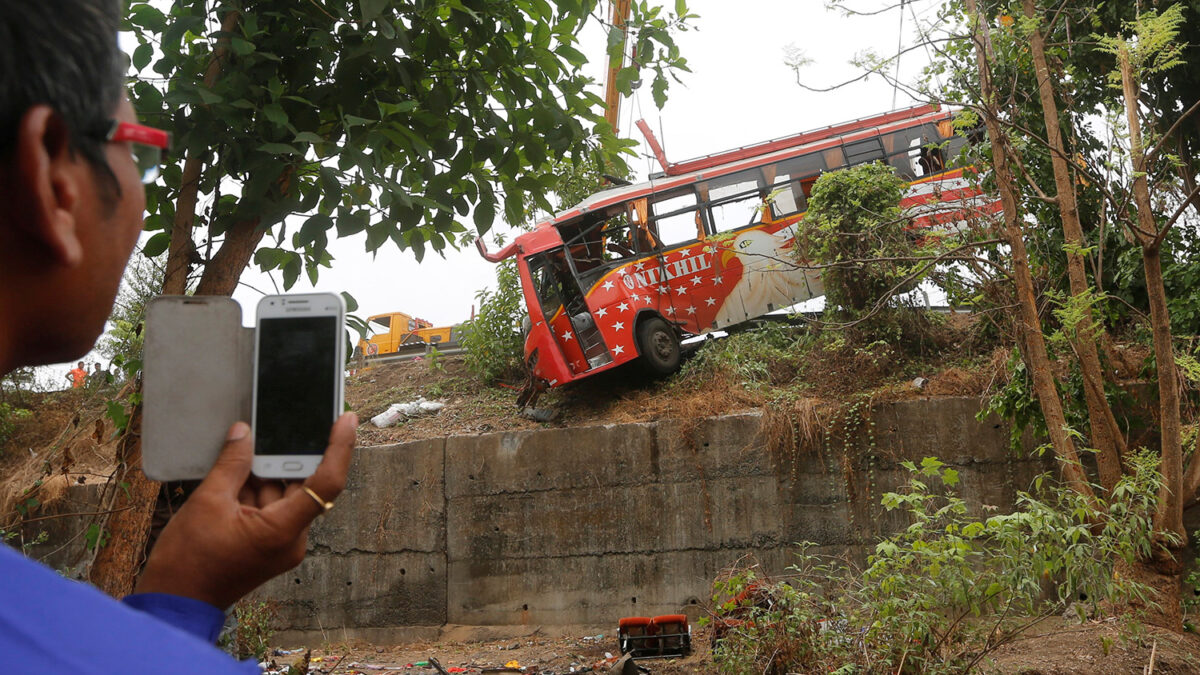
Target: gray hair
<point x="64" y="54"/>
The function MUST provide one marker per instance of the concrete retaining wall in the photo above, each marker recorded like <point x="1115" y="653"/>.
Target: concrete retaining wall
<point x="585" y="525"/>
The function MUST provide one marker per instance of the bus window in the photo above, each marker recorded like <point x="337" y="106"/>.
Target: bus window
<point x="787" y="194"/>
<point x="677" y="219"/>
<point x="735" y="201"/>
<point x="897" y="145"/>
<point x="786" y="199"/>
<point x="864" y="152"/>
<point x="542" y="269"/>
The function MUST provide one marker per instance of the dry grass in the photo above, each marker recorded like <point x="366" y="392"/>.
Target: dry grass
<point x="66" y="442"/>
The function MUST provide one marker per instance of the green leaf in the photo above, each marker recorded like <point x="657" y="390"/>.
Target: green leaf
<point x="356" y="121"/>
<point x="308" y="137"/>
<point x="147" y="16"/>
<point x="209" y="97"/>
<point x="371" y="9"/>
<point x="276" y="114"/>
<point x="241" y="46"/>
<point x="156" y="245"/>
<point x="279" y="149"/>
<point x="142" y="55"/>
<point x="116" y="413"/>
<point x="659" y="90"/>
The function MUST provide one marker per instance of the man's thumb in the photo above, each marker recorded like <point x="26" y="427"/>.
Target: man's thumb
<point x="232" y="467"/>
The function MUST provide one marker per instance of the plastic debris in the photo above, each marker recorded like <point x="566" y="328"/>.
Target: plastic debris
<point x="512" y="664"/>
<point x="286" y="652"/>
<point x="410" y="409"/>
<point x="919" y="383"/>
<point x="539" y="414"/>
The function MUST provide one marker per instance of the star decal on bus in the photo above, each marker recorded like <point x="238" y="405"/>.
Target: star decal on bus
<point x="691" y="310"/>
<point x="717" y="279"/>
<point x="710" y="302"/>
<point x="618" y="350"/>
<point x="623" y="307"/>
<point x="608" y="285"/>
<point x="683" y="253"/>
<point x="620" y="325"/>
<point x="567" y="335"/>
<point x="639" y="266"/>
<point x="670" y="310"/>
<point x="681" y="290"/>
<point x="602" y="311"/>
<point x="695" y="281"/>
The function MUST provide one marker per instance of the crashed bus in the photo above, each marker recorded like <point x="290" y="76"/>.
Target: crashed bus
<point x="706" y="244"/>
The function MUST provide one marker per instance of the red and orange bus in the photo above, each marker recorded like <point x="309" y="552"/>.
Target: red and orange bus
<point x="706" y="244"/>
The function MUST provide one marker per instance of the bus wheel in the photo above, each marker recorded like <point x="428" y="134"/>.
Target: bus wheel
<point x="658" y="346"/>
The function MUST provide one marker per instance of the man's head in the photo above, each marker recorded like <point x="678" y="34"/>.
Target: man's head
<point x="97" y="366"/>
<point x="73" y="201"/>
<point x="81" y="365"/>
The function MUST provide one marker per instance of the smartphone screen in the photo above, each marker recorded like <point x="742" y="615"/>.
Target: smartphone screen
<point x="296" y="380"/>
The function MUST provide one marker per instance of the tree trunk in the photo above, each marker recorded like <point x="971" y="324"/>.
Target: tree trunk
<point x="118" y="562"/>
<point x="222" y="273"/>
<point x="1170" y="503"/>
<point x="179" y="253"/>
<point x="1105" y="433"/>
<point x="1029" y="322"/>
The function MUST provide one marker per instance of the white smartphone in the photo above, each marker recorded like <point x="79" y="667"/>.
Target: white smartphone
<point x="299" y="361"/>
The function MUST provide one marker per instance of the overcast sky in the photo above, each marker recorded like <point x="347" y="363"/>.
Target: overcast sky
<point x="740" y="91"/>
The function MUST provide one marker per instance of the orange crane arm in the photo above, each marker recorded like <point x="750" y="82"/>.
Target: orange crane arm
<point x="612" y="98"/>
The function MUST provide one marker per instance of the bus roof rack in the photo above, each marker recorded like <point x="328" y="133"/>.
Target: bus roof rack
<point x="757" y="149"/>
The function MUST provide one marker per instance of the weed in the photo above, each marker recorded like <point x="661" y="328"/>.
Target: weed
<point x="251" y="633"/>
<point x="940" y="595"/>
<point x="10" y="417"/>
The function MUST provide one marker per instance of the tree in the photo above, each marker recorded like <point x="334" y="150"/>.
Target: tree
<point x="1081" y="204"/>
<point x="389" y="119"/>
<point x="122" y="344"/>
<point x="297" y="121"/>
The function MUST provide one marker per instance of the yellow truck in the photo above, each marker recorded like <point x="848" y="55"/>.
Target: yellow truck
<point x="399" y="332"/>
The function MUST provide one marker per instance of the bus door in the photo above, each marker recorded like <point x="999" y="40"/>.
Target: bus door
<point x="565" y="311"/>
<point x="614" y="259"/>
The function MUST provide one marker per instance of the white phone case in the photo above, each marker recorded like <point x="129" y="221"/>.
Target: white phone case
<point x="196" y="370"/>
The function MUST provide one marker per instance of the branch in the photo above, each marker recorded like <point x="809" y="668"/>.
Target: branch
<point x="68" y="515"/>
<point x="1153" y="152"/>
<point x="887" y="295"/>
<point x="1166" y="227"/>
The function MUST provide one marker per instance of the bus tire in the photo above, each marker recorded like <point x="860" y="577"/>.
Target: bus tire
<point x="658" y="346"/>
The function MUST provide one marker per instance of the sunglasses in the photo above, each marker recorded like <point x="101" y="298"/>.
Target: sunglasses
<point x="147" y="145"/>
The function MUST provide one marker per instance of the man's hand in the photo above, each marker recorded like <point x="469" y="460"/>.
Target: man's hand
<point x="237" y="531"/>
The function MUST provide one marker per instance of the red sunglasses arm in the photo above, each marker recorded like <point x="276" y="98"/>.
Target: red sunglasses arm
<point x="136" y="133"/>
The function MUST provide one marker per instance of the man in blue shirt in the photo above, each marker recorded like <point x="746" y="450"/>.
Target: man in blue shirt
<point x="72" y="161"/>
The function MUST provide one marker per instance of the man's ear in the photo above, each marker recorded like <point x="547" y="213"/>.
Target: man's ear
<point x="51" y="174"/>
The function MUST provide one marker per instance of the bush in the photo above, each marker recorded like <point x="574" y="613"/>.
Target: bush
<point x="856" y="230"/>
<point x="493" y="341"/>
<point x="941" y="594"/>
<point x="749" y="356"/>
<point x="9" y="418"/>
<point x="251" y="633"/>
